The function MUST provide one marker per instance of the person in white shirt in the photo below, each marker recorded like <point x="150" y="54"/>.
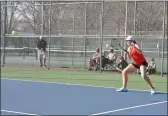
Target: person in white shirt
<point x="110" y="58"/>
<point x="95" y="60"/>
<point x="96" y="55"/>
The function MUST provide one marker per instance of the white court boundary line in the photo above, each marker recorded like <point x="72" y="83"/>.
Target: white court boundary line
<point x="133" y="107"/>
<point x="70" y="84"/>
<point x="17" y="112"/>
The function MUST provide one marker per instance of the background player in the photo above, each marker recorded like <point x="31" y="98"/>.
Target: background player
<point x="41" y="45"/>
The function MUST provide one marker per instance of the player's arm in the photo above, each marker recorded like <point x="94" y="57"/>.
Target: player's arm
<point x="94" y="55"/>
<point x="117" y="67"/>
<point x="120" y="70"/>
<point x="107" y="56"/>
<point x="127" y="53"/>
<point x="153" y="66"/>
<point x="98" y="56"/>
<point x="114" y="56"/>
<point x="136" y="47"/>
<point x="149" y="66"/>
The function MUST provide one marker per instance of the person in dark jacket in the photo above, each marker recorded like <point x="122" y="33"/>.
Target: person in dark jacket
<point x="122" y="64"/>
<point x="42" y="45"/>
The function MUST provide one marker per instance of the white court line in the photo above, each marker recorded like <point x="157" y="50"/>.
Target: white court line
<point x="133" y="107"/>
<point x="70" y="84"/>
<point x="17" y="112"/>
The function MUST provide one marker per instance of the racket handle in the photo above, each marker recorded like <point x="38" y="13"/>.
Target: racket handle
<point x="125" y="51"/>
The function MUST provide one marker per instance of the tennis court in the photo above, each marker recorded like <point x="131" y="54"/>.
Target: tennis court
<point x="33" y="91"/>
<point x="73" y="30"/>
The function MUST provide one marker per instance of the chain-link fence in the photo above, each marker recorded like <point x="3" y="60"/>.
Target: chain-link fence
<point x="76" y="51"/>
<point x="75" y="29"/>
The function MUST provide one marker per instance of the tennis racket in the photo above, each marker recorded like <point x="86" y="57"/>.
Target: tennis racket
<point x="119" y="45"/>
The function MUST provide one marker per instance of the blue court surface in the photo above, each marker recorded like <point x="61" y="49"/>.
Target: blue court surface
<point x="39" y="98"/>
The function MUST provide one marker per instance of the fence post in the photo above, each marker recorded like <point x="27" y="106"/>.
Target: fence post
<point x="164" y="16"/>
<point x="42" y="18"/>
<point x="85" y="33"/>
<point x="73" y="36"/>
<point x="158" y="55"/>
<point x="4" y="32"/>
<point x="49" y="23"/>
<point x="135" y="17"/>
<point x="126" y="7"/>
<point x="101" y="38"/>
<point x="0" y="24"/>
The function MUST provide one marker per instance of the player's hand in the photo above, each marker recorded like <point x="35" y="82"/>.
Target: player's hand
<point x="127" y="52"/>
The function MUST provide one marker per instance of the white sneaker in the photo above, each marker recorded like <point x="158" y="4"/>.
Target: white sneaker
<point x="44" y="66"/>
<point x="122" y="89"/>
<point x="153" y="91"/>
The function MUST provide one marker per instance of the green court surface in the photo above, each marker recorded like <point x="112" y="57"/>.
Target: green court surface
<point x="83" y="77"/>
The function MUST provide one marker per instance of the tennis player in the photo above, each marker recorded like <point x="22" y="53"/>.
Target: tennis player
<point x="41" y="45"/>
<point x="135" y="54"/>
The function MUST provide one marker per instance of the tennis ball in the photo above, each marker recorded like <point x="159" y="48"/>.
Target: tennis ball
<point x="106" y="45"/>
<point x="13" y="32"/>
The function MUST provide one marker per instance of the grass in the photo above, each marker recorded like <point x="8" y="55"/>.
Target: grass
<point x="83" y="77"/>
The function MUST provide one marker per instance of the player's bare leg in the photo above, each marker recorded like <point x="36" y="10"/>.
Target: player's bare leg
<point x="41" y="61"/>
<point x="44" y="63"/>
<point x="146" y="78"/>
<point x="125" y="72"/>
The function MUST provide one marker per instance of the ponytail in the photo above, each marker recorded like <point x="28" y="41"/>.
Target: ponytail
<point x="134" y="41"/>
